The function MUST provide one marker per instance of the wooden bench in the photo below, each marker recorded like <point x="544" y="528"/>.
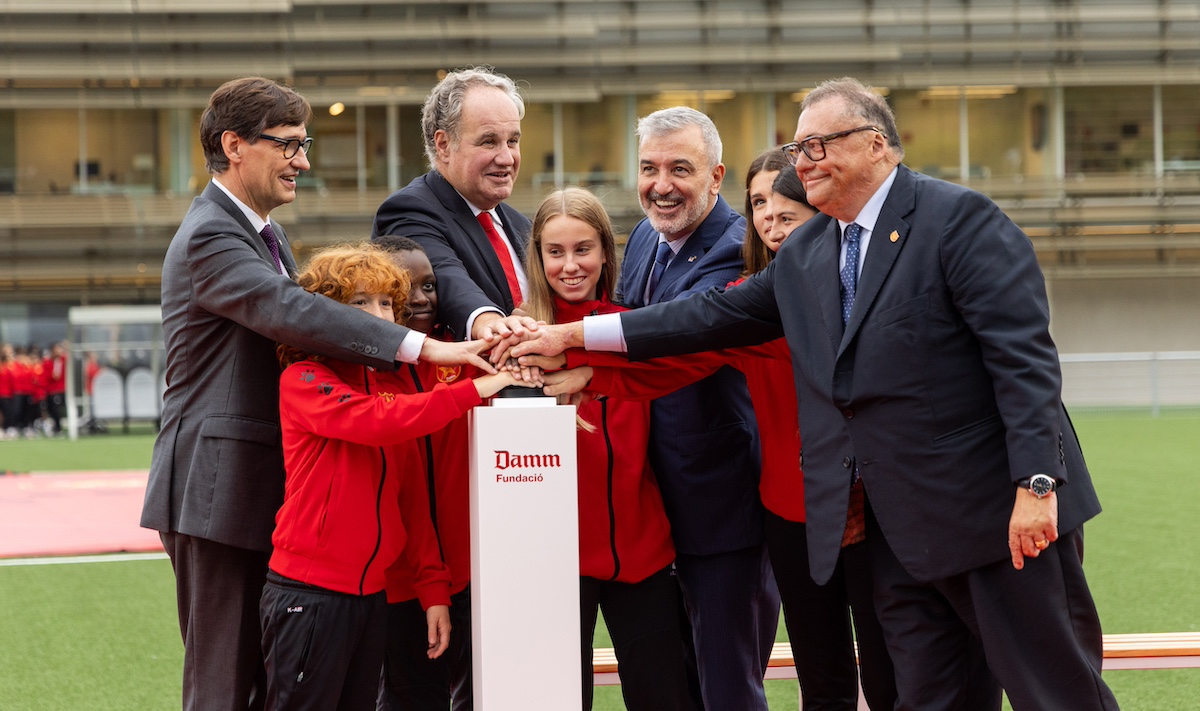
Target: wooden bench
<point x="1167" y="650"/>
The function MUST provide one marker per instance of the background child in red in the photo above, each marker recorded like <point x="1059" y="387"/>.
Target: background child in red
<point x="8" y="428"/>
<point x="55" y="375"/>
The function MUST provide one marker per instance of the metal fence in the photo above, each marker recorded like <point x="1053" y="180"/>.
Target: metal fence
<point x="1151" y="381"/>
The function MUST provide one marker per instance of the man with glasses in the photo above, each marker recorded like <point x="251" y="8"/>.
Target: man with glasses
<point x="933" y="426"/>
<point x="216" y="475"/>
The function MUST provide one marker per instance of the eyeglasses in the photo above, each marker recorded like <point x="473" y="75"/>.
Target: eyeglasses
<point x="814" y="146"/>
<point x="291" y="146"/>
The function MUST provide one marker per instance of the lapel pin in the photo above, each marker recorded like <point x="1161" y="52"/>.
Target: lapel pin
<point x="692" y="258"/>
<point x="894" y="236"/>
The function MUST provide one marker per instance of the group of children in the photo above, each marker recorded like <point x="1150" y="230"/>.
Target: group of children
<point x="33" y="390"/>
<point x="371" y="564"/>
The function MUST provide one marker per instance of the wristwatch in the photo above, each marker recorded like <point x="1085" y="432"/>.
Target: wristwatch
<point x="1039" y="485"/>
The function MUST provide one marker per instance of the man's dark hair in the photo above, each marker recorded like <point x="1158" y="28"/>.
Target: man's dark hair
<point x="396" y="243"/>
<point x="247" y="106"/>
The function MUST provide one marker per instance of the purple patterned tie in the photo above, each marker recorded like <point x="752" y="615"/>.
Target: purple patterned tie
<point x="268" y="236"/>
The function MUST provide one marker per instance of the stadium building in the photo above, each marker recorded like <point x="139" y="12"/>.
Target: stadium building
<point x="1080" y="117"/>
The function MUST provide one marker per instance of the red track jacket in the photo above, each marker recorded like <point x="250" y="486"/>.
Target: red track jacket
<point x="623" y="530"/>
<point x="354" y="498"/>
<point x="768" y="370"/>
<point x="445" y="467"/>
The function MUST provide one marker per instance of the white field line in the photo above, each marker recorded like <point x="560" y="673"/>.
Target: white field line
<point x="64" y="560"/>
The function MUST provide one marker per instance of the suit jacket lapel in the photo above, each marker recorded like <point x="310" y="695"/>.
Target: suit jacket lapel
<point x="285" y="250"/>
<point x="823" y="271"/>
<point x="640" y="260"/>
<point x="506" y="221"/>
<point x="469" y="224"/>
<point x="692" y="250"/>
<point x="887" y="239"/>
<point x="217" y="195"/>
<point x="697" y="245"/>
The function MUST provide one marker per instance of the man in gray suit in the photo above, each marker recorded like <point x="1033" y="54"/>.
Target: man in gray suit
<point x="216" y="477"/>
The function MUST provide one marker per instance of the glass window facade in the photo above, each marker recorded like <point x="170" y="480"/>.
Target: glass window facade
<point x="1181" y="128"/>
<point x="1109" y="129"/>
<point x="1008" y="130"/>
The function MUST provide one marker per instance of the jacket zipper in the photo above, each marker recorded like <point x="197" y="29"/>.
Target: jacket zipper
<point x="429" y="482"/>
<point x="612" y="510"/>
<point x="362" y="582"/>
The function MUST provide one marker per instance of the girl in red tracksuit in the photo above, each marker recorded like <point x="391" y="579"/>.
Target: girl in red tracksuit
<point x="354" y="502"/>
<point x="625" y="550"/>
<point x="815" y="615"/>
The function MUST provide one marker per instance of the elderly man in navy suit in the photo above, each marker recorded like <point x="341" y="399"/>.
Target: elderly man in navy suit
<point x="929" y="390"/>
<point x="704" y="439"/>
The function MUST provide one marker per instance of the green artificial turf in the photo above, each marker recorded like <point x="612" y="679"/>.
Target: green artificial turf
<point x="94" y="636"/>
<point x="112" y="451"/>
<point x="104" y="636"/>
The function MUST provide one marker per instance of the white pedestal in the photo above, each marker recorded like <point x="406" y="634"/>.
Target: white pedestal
<point x="525" y="556"/>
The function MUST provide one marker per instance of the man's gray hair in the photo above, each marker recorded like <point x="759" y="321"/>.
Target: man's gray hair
<point x="678" y="118"/>
<point x="862" y="102"/>
<point x="442" y="110"/>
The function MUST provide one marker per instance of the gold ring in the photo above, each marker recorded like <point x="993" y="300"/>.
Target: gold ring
<point x="1042" y="544"/>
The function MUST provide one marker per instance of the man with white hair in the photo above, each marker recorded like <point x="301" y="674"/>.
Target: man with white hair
<point x="704" y="438"/>
<point x="471" y="124"/>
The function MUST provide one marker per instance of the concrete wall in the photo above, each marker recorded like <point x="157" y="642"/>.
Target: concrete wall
<point x="1121" y="315"/>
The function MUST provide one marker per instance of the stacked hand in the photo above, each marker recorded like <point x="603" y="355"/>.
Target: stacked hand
<point x="543" y="339"/>
<point x="534" y="351"/>
<point x="502" y="333"/>
<point x="460" y="353"/>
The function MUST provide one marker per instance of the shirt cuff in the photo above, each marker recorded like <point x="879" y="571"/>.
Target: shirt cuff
<point x="410" y="348"/>
<point x="604" y="333"/>
<point x="474" y="315"/>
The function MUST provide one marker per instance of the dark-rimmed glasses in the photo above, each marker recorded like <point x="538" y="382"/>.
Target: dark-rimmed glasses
<point x="291" y="146"/>
<point x="814" y="146"/>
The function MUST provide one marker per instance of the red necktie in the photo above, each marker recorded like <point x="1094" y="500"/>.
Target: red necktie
<point x="501" y="249"/>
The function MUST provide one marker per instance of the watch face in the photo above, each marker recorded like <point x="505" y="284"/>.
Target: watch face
<point x="1041" y="485"/>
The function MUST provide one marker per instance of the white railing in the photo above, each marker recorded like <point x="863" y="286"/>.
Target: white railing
<point x="1146" y="380"/>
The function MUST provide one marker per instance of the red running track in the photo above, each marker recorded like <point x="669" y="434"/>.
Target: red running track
<point x="73" y="514"/>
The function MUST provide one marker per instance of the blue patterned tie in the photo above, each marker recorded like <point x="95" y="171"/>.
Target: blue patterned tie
<point x="661" y="257"/>
<point x="850" y="271"/>
<point x="268" y="236"/>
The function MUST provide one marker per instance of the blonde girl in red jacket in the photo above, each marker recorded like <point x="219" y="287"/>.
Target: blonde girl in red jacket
<point x="354" y="502"/>
<point x="625" y="550"/>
